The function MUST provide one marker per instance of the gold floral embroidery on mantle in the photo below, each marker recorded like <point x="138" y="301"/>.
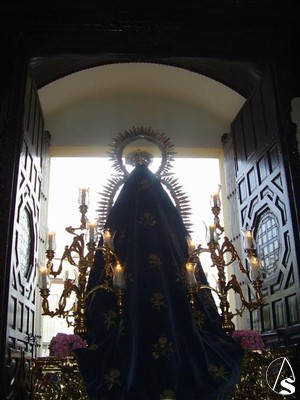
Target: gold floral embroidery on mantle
<point x="157" y="301"/>
<point x="112" y="379"/>
<point x="110" y="319"/>
<point x="219" y="372"/>
<point x="147" y="219"/>
<point x="180" y="277"/>
<point x="144" y="184"/>
<point x="198" y="317"/>
<point x="154" y="261"/>
<point x="163" y="348"/>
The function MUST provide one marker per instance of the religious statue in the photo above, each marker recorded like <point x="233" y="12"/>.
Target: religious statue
<point x="153" y="344"/>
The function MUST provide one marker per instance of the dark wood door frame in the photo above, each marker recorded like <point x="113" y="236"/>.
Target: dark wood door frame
<point x="146" y="34"/>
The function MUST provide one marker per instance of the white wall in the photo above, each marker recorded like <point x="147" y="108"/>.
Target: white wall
<point x="96" y="122"/>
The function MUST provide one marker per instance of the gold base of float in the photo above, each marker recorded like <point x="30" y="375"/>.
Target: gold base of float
<point x="253" y="383"/>
<point x="59" y="378"/>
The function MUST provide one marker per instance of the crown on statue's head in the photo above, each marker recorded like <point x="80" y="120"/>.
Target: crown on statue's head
<point x="139" y="157"/>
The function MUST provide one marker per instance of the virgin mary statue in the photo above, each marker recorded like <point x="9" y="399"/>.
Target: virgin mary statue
<point x="159" y="346"/>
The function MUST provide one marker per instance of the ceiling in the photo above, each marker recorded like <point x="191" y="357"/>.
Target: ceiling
<point x="242" y="77"/>
<point x="191" y="108"/>
<point x="141" y="79"/>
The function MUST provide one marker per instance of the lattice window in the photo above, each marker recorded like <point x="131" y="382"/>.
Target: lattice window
<point x="268" y="243"/>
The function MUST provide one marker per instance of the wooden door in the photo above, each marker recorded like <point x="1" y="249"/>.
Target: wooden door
<point x="260" y="195"/>
<point x="27" y="246"/>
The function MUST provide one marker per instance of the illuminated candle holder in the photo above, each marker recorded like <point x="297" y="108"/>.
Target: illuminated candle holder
<point x="223" y="254"/>
<point x="51" y="241"/>
<point x="191" y="245"/>
<point x="215" y="198"/>
<point x="118" y="276"/>
<point x="211" y="234"/>
<point x="43" y="277"/>
<point x="249" y="242"/>
<point x="255" y="268"/>
<point x="190" y="274"/>
<point x="83" y="197"/>
<point x="80" y="255"/>
<point x="92" y="234"/>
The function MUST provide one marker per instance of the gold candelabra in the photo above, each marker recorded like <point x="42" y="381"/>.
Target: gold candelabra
<point x="223" y="254"/>
<point x="80" y="255"/>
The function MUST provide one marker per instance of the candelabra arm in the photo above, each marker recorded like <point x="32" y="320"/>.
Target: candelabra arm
<point x="109" y="257"/>
<point x="200" y="286"/>
<point x="60" y="310"/>
<point x="49" y="265"/>
<point x="77" y="246"/>
<point x="257" y="284"/>
<point x="68" y="288"/>
<point x="45" y="304"/>
<point x="228" y="248"/>
<point x="104" y="286"/>
<point x="45" y="292"/>
<point x="239" y="311"/>
<point x="90" y="257"/>
<point x="216" y="211"/>
<point x="194" y="256"/>
<point x="108" y="251"/>
<point x="199" y="250"/>
<point x="251" y="305"/>
<point x="57" y="272"/>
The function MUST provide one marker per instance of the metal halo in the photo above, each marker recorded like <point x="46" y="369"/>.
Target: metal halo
<point x="163" y="173"/>
<point x="159" y="139"/>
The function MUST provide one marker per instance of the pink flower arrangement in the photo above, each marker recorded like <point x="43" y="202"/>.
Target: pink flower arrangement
<point x="248" y="339"/>
<point x="63" y="344"/>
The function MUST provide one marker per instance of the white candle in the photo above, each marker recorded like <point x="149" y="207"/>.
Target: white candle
<point x="190" y="274"/>
<point x="106" y="235"/>
<point x="255" y="268"/>
<point x="91" y="232"/>
<point x="191" y="246"/>
<point x="83" y="196"/>
<point x="215" y="198"/>
<point x="249" y="240"/>
<point x="211" y="237"/>
<point x="108" y="240"/>
<point x="66" y="275"/>
<point x="51" y="241"/>
<point x="118" y="276"/>
<point x="43" y="271"/>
